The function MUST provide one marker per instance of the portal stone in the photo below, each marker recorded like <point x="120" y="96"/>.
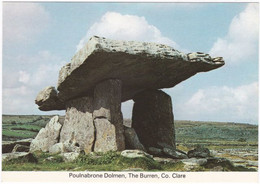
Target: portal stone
<point x="108" y="119"/>
<point x="153" y="119"/>
<point x="78" y="128"/>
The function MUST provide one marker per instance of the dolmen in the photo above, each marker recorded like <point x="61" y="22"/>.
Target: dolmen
<point x="102" y="75"/>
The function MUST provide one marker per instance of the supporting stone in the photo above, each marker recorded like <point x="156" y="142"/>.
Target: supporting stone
<point x="108" y="119"/>
<point x="153" y="119"/>
<point x="78" y="128"/>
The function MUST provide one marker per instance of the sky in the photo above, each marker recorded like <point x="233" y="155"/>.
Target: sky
<point x="39" y="38"/>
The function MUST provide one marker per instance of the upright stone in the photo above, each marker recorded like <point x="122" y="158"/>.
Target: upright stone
<point x="47" y="136"/>
<point x="153" y="119"/>
<point x="78" y="128"/>
<point x="108" y="119"/>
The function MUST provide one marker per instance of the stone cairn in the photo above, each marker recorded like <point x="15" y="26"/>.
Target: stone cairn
<point x="102" y="75"/>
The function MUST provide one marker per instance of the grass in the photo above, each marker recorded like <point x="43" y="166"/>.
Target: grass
<point x="110" y="161"/>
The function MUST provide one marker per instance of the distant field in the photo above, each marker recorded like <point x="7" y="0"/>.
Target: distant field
<point x="188" y="132"/>
<point x="15" y="127"/>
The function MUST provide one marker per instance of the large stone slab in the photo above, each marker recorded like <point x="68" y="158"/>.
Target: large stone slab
<point x="78" y="128"/>
<point x="139" y="65"/>
<point x="153" y="119"/>
<point x="108" y="119"/>
<point x="47" y="136"/>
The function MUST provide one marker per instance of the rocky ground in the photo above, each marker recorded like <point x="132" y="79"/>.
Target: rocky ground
<point x="247" y="157"/>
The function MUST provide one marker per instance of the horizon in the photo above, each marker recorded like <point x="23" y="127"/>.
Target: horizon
<point x="40" y="38"/>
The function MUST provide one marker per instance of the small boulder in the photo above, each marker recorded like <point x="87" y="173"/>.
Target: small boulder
<point x="165" y="160"/>
<point x="199" y="153"/>
<point x="70" y="157"/>
<point x="19" y="155"/>
<point x="20" y="148"/>
<point x="174" y="154"/>
<point x="132" y="140"/>
<point x="135" y="154"/>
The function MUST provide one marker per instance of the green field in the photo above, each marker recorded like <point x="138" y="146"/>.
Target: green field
<point x="15" y="127"/>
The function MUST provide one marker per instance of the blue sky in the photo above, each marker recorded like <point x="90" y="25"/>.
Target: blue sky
<point x="39" y="38"/>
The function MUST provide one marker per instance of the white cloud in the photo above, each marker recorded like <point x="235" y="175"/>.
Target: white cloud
<point x="125" y="27"/>
<point x="242" y="38"/>
<point x="23" y="21"/>
<point x="21" y="84"/>
<point x="24" y="77"/>
<point x="222" y="104"/>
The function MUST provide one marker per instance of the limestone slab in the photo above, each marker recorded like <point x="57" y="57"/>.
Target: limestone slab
<point x="153" y="119"/>
<point x="78" y="128"/>
<point x="139" y="65"/>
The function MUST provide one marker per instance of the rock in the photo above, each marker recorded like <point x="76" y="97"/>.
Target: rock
<point x="135" y="154"/>
<point x="223" y="162"/>
<point x="152" y="118"/>
<point x="155" y="151"/>
<point x="57" y="148"/>
<point x="199" y="153"/>
<point x="47" y="136"/>
<point x="8" y="146"/>
<point x="70" y="157"/>
<point x="19" y="155"/>
<point x="20" y="148"/>
<point x="165" y="160"/>
<point x="108" y="119"/>
<point x="139" y="65"/>
<point x="217" y="168"/>
<point x="78" y="128"/>
<point x="47" y="99"/>
<point x="174" y="154"/>
<point x="132" y="140"/>
<point x="194" y="161"/>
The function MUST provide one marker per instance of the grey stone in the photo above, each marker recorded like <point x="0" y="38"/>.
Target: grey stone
<point x="174" y="154"/>
<point x="139" y="65"/>
<point x="194" y="161"/>
<point x="78" y="128"/>
<point x="47" y="136"/>
<point x="19" y="155"/>
<point x="165" y="160"/>
<point x="8" y="146"/>
<point x="132" y="140"/>
<point x="70" y="157"/>
<point x="199" y="153"/>
<point x="135" y="154"/>
<point x="108" y="119"/>
<point x="21" y="148"/>
<point x="152" y="118"/>
<point x="155" y="151"/>
<point x="47" y="99"/>
<point x="106" y="139"/>
<point x="57" y="148"/>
